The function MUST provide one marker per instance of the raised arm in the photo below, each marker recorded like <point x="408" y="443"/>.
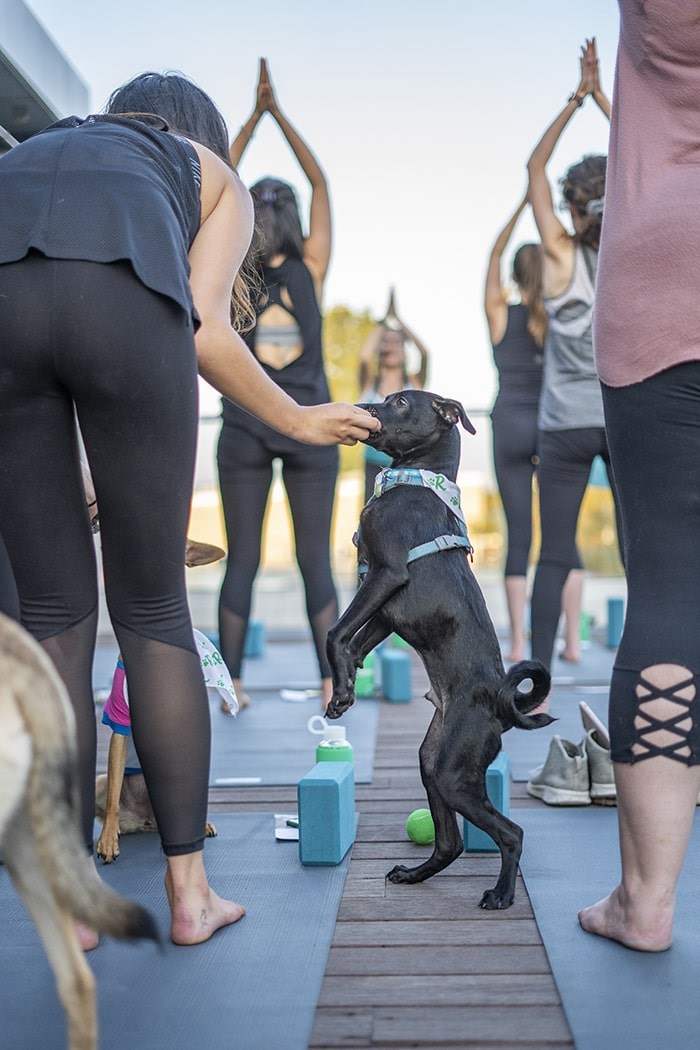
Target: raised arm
<point x="591" y="70"/>
<point x="224" y="359"/>
<point x="421" y="375"/>
<point x="368" y="357"/>
<point x="495" y="305"/>
<point x="554" y="237"/>
<point x="317" y="246"/>
<point x="247" y="130"/>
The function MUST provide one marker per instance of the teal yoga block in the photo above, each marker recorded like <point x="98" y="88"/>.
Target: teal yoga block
<point x="616" y="620"/>
<point x="498" y="790"/>
<point x="396" y="675"/>
<point x="326" y="799"/>
<point x="254" y="644"/>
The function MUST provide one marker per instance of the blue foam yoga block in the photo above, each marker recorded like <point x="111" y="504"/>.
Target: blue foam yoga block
<point x="326" y="799"/>
<point x="396" y="675"/>
<point x="616" y="620"/>
<point x="254" y="644"/>
<point x="498" y="790"/>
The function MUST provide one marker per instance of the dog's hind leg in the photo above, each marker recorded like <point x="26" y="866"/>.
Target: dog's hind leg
<point x="448" y="841"/>
<point x="56" y="928"/>
<point x="474" y="804"/>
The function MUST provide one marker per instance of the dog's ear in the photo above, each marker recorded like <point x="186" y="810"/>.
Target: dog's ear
<point x="453" y="412"/>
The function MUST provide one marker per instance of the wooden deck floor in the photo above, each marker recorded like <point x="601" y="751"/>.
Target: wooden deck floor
<point x="422" y="966"/>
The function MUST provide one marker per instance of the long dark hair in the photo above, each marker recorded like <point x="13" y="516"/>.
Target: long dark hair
<point x="189" y="111"/>
<point x="185" y="107"/>
<point x="527" y="273"/>
<point x="278" y="221"/>
<point x="583" y="188"/>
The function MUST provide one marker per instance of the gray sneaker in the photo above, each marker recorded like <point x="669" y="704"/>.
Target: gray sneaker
<point x="603" y="791"/>
<point x="564" y="779"/>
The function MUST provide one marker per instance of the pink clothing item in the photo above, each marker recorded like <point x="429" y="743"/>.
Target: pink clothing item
<point x="647" y="310"/>
<point x="217" y="679"/>
<point x="116" y="710"/>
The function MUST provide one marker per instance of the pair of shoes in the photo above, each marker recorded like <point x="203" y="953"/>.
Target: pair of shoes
<point x="577" y="774"/>
<point x="603" y="791"/>
<point x="563" y="779"/>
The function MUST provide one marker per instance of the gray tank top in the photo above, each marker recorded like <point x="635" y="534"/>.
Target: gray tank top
<point x="571" y="396"/>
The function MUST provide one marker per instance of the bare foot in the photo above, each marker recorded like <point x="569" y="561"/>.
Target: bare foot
<point x="515" y="656"/>
<point x="570" y="656"/>
<point x="196" y="911"/>
<point x="645" y="929"/>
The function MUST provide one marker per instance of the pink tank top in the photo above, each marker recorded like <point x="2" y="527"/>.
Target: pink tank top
<point x="647" y="305"/>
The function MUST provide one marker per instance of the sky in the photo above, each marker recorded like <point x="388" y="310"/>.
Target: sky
<point x="421" y="114"/>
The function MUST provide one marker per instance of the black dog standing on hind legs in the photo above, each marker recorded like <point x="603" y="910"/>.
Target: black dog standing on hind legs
<point x="413" y="553"/>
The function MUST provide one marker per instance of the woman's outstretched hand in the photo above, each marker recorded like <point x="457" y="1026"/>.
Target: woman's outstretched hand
<point x="334" y="424"/>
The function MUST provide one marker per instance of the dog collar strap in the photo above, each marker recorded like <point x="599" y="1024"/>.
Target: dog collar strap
<point x="440" y="543"/>
<point x="441" y="485"/>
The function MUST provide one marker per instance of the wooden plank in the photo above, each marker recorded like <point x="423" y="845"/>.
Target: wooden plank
<point x="369" y="903"/>
<point x="439" y="990"/>
<point x="437" y="934"/>
<point x="463" y="1026"/>
<point x="484" y="959"/>
<point x="469" y="865"/>
<point x="341" y="1028"/>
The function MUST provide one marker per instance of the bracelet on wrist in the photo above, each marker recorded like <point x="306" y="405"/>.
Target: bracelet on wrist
<point x="578" y="99"/>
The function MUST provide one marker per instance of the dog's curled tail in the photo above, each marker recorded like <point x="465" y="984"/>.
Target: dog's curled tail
<point x="515" y="704"/>
<point x="52" y="804"/>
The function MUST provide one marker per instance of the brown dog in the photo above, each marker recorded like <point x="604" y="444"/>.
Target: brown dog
<point x="39" y="834"/>
<point x="122" y="803"/>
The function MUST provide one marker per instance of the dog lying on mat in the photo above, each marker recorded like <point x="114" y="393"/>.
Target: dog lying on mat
<point x="121" y="797"/>
<point x="413" y="553"/>
<point x="39" y="827"/>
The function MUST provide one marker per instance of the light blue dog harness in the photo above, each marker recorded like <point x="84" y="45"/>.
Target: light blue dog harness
<point x="443" y="488"/>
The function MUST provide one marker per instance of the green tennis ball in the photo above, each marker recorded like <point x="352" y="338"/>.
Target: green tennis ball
<point x="420" y="827"/>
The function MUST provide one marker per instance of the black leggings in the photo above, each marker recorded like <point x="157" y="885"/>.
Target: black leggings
<point x="654" y="435"/>
<point x="514" y="433"/>
<point x="90" y="338"/>
<point x="566" y="457"/>
<point x="9" y="599"/>
<point x="245" y="477"/>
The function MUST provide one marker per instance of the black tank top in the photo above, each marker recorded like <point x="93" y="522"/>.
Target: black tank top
<point x="103" y="189"/>
<point x="519" y="361"/>
<point x="289" y="285"/>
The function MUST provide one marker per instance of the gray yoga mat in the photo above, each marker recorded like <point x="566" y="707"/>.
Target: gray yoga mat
<point x="269" y="743"/>
<point x="283" y="664"/>
<point x="612" y="997"/>
<point x="252" y="987"/>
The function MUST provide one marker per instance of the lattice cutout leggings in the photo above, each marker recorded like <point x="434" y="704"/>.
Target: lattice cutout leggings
<point x="654" y="436"/>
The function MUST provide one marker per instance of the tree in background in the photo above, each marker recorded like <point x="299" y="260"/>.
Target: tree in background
<point x="344" y="334"/>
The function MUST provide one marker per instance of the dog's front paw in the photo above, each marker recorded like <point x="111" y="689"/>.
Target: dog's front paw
<point x="210" y="831"/>
<point x="339" y="705"/>
<point x="492" y="901"/>
<point x="108" y="847"/>
<point x="401" y="874"/>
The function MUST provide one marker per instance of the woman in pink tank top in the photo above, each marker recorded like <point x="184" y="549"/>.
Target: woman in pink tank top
<point x="647" y="346"/>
